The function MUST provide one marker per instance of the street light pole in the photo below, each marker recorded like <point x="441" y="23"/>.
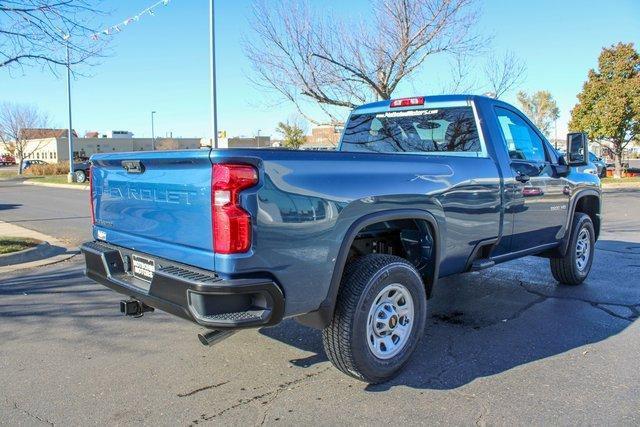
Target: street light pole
<point x="212" y="74"/>
<point x="153" y="133"/>
<point x="70" y="130"/>
<point x="258" y="141"/>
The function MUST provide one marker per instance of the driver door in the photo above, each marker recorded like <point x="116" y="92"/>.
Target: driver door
<point x="539" y="200"/>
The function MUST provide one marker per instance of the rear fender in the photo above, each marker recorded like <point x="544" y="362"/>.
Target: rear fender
<point x="323" y="315"/>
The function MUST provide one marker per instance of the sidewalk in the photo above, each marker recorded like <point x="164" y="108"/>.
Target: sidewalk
<point x="54" y="185"/>
<point x="11" y="230"/>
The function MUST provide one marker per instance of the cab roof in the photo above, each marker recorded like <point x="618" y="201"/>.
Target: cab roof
<point x="434" y="99"/>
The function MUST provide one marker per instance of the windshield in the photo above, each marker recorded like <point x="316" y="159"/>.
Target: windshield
<point x="439" y="130"/>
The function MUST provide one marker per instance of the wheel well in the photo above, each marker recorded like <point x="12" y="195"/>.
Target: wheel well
<point x="410" y="238"/>
<point x="590" y="205"/>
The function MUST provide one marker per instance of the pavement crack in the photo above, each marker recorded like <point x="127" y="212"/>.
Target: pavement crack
<point x="631" y="318"/>
<point x="542" y="298"/>
<point x="268" y="404"/>
<point x="198" y="390"/>
<point x="480" y="421"/>
<point x="272" y="394"/>
<point x="29" y="414"/>
<point x="633" y="307"/>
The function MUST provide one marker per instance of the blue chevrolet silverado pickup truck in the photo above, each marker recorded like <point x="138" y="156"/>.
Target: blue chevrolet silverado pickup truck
<point x="351" y="241"/>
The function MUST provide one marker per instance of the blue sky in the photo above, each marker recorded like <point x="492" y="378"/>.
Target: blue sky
<point x="161" y="63"/>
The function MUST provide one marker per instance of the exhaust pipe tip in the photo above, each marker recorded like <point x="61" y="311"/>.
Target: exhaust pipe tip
<point x="211" y="338"/>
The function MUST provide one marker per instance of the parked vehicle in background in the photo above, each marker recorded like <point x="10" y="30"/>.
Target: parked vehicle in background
<point x="81" y="171"/>
<point x="599" y="163"/>
<point x="30" y="162"/>
<point x="350" y="241"/>
<point x="7" y="160"/>
<point x="594" y="168"/>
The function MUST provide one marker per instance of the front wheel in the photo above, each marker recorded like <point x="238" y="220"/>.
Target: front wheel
<point x="574" y="267"/>
<point x="379" y="318"/>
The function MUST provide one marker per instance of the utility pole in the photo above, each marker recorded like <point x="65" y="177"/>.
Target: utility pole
<point x="153" y="133"/>
<point x="70" y="130"/>
<point x="212" y="75"/>
<point x="258" y="141"/>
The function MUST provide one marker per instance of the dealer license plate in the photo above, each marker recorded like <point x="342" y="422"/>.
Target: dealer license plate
<point x="143" y="268"/>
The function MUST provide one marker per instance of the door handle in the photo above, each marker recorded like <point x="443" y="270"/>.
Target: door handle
<point x="520" y="177"/>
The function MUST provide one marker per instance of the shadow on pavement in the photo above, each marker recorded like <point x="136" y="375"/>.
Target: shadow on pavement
<point x="479" y="324"/>
<point x="7" y="206"/>
<point x="62" y="305"/>
<point x="484" y="323"/>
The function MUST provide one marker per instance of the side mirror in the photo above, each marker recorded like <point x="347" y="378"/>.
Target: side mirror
<point x="577" y="149"/>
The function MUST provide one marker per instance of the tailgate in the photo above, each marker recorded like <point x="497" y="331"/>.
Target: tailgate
<point x="155" y="202"/>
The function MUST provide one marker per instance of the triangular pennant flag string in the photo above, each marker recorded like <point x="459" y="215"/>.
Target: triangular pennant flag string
<point x="135" y="18"/>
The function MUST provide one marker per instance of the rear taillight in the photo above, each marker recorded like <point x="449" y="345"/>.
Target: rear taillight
<point x="231" y="223"/>
<point x="93" y="215"/>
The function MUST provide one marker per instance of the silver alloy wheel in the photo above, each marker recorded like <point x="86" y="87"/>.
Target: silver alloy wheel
<point x="583" y="249"/>
<point x="390" y="321"/>
<point x="80" y="176"/>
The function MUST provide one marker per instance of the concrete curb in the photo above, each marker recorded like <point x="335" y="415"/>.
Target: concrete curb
<point x="621" y="185"/>
<point x="51" y="251"/>
<point x="48" y="184"/>
<point x="25" y="255"/>
<point x="70" y="253"/>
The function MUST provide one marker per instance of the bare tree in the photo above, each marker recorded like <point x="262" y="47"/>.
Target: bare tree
<point x="504" y="73"/>
<point x="15" y="121"/>
<point x="38" y="31"/>
<point x="461" y="68"/>
<point x="307" y="56"/>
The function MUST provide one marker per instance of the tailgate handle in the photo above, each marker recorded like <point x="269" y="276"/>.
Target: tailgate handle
<point x="133" y="166"/>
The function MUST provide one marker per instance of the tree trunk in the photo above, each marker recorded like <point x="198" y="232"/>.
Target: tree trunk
<point x="618" y="161"/>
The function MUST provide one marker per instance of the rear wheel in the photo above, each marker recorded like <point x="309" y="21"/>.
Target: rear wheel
<point x="379" y="318"/>
<point x="574" y="267"/>
<point x="81" y="176"/>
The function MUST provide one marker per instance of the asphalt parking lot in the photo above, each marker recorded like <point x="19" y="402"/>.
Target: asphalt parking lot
<point x="502" y="346"/>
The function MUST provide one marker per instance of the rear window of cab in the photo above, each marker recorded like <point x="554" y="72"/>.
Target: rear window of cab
<point x="441" y="130"/>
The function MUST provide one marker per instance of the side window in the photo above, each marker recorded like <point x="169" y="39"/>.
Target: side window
<point x="553" y="154"/>
<point x="523" y="143"/>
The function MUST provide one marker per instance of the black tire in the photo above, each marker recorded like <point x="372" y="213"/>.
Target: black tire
<point x="80" y="175"/>
<point x="566" y="269"/>
<point x="346" y="340"/>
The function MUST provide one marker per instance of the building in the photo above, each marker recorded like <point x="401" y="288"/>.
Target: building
<point x="249" y="142"/>
<point x="324" y="137"/>
<point x="120" y="134"/>
<point x="56" y="149"/>
<point x="240" y="142"/>
<point x="38" y="133"/>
